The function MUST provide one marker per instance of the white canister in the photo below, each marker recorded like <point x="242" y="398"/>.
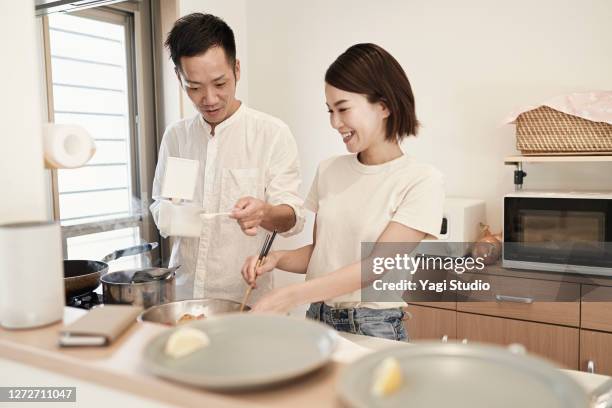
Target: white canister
<point x="179" y="220"/>
<point x="31" y="274"/>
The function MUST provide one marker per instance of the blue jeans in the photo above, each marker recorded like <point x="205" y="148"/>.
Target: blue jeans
<point x="384" y="323"/>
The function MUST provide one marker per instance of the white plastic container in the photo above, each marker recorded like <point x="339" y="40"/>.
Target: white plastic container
<point x="31" y="274"/>
<point x="179" y="220"/>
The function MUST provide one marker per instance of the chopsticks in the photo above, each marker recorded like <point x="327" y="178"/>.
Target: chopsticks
<point x="265" y="249"/>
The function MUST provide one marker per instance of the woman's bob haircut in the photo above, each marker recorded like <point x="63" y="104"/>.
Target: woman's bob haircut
<point x="369" y="70"/>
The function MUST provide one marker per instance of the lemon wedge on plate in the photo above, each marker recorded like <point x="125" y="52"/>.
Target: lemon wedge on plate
<point x="387" y="377"/>
<point x="185" y="341"/>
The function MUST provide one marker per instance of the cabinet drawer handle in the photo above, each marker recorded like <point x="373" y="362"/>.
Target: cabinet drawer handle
<point x="513" y="299"/>
<point x="591" y="367"/>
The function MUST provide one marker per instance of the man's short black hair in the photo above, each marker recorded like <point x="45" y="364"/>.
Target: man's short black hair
<point x="196" y="33"/>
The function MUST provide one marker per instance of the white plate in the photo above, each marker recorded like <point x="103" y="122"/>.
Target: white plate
<point x="245" y="351"/>
<point x="459" y="375"/>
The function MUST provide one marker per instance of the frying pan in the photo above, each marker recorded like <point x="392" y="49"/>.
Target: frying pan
<point x="82" y="276"/>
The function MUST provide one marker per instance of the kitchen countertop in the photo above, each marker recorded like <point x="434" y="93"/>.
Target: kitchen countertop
<point x="119" y="368"/>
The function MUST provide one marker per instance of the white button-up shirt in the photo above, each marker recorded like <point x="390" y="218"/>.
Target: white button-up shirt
<point x="251" y="154"/>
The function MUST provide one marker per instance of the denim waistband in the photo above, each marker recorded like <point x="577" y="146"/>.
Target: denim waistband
<point x="319" y="309"/>
<point x="385" y="323"/>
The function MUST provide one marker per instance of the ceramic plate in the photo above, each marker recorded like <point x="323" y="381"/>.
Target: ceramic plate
<point x="245" y="351"/>
<point x="458" y="375"/>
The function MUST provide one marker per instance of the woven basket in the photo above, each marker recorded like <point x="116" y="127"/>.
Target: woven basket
<point x="547" y="131"/>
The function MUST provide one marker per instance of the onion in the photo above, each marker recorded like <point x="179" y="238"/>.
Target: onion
<point x="488" y="247"/>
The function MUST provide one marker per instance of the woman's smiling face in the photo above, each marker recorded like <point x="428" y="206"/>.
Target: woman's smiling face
<point x="361" y="123"/>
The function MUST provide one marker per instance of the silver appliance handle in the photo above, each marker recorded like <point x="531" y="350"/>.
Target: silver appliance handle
<point x="513" y="299"/>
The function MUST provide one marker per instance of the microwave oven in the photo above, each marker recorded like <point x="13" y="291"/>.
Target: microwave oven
<point x="460" y="227"/>
<point x="558" y="232"/>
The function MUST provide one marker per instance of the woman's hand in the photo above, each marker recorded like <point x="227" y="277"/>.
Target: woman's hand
<point x="280" y="300"/>
<point x="249" y="271"/>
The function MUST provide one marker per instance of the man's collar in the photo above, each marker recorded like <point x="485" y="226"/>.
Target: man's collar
<point x="227" y="122"/>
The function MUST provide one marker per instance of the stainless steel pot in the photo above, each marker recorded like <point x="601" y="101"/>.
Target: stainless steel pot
<point x="129" y="287"/>
<point x="82" y="276"/>
<point x="170" y="313"/>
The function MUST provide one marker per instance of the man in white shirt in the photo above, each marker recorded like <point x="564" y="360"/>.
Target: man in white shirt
<point x="248" y="165"/>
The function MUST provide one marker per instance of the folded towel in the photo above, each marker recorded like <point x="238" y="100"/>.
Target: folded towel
<point x="595" y="106"/>
<point x="100" y="327"/>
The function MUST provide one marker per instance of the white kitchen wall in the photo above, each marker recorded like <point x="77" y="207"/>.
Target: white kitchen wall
<point x="470" y="63"/>
<point x="22" y="177"/>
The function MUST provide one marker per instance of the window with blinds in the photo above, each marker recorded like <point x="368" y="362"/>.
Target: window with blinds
<point x="91" y="64"/>
<point x="89" y="72"/>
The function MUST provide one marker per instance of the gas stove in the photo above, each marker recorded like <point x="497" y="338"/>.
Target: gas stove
<point x="85" y="301"/>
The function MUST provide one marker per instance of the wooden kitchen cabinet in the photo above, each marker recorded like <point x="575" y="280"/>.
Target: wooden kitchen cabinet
<point x="557" y="343"/>
<point x="567" y="320"/>
<point x="428" y="323"/>
<point x="525" y="299"/>
<point x="439" y="305"/>
<point x="596" y="310"/>
<point x="596" y="352"/>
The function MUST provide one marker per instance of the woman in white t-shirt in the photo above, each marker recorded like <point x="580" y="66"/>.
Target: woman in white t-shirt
<point x="376" y="194"/>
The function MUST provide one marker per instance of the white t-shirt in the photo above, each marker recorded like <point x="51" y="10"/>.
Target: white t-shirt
<point x="355" y="202"/>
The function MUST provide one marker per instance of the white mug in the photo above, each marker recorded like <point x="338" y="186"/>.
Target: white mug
<point x="31" y="274"/>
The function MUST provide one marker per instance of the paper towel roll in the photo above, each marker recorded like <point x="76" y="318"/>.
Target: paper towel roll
<point x="66" y="146"/>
